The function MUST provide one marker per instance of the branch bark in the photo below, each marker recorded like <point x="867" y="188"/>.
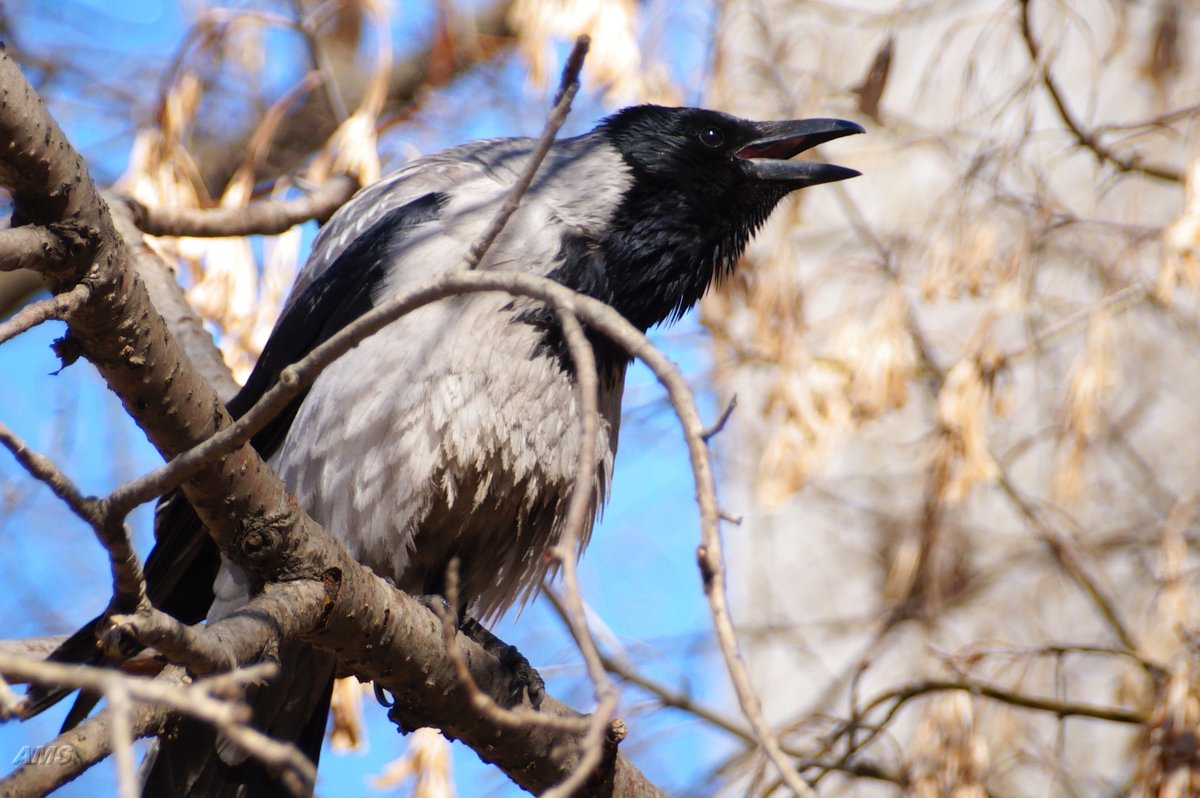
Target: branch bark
<point x="262" y="217"/>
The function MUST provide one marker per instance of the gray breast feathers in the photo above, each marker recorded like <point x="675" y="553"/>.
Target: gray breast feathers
<point x="444" y="436"/>
<point x="452" y="432"/>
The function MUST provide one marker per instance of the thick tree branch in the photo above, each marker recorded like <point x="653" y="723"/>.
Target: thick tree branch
<point x="253" y="632"/>
<point x="170" y="301"/>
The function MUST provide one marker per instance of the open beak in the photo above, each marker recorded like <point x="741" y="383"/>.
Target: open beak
<point x="767" y="157"/>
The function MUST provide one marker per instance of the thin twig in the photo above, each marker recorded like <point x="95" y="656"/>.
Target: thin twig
<point x="1086" y="139"/>
<point x="568" y="87"/>
<point x="203" y="699"/>
<point x="721" y="421"/>
<point x="898" y="697"/>
<point x="121" y="730"/>
<point x="1062" y="709"/>
<point x="481" y="701"/>
<point x="129" y="583"/>
<point x="1065" y="556"/>
<point x="56" y="307"/>
<point x="566" y="552"/>
<point x="1114" y="303"/>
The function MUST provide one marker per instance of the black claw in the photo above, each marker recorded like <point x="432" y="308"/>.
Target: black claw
<point x="525" y="679"/>
<point x="382" y="696"/>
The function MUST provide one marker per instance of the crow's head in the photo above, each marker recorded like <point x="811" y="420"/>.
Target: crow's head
<point x="717" y="156"/>
<point x="701" y="182"/>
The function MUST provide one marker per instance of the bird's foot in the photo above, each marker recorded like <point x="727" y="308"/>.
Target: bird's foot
<point x="524" y="677"/>
<point x="437" y="604"/>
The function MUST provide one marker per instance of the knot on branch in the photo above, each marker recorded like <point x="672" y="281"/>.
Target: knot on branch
<point x="75" y="240"/>
<point x="269" y="552"/>
<point x="260" y="541"/>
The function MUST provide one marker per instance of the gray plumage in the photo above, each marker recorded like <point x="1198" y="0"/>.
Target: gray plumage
<point x="458" y="441"/>
<point x="454" y="431"/>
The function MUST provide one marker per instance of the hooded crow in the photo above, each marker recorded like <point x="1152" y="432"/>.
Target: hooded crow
<point x="452" y="433"/>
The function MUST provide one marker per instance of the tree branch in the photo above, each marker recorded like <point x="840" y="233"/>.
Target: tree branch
<point x="169" y="299"/>
<point x="56" y="307"/>
<point x="129" y="584"/>
<point x="1085" y="138"/>
<point x="262" y="217"/>
<point x="26" y="247"/>
<point x="206" y="699"/>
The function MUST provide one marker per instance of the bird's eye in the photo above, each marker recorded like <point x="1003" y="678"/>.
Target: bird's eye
<point x="712" y="137"/>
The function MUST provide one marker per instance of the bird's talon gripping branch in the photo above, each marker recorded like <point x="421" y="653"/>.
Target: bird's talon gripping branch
<point x="525" y="678"/>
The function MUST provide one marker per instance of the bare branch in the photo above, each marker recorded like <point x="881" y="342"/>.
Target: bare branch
<point x="582" y="498"/>
<point x="169" y="299"/>
<point x="1085" y="138"/>
<point x="481" y="701"/>
<point x="1063" y="553"/>
<point x="56" y="307"/>
<point x="262" y="217"/>
<point x="26" y="247"/>
<point x="88" y="743"/>
<point x="282" y="611"/>
<point x="122" y="741"/>
<point x="129" y="584"/>
<point x="562" y="106"/>
<point x="1063" y="709"/>
<point x="722" y="420"/>
<point x="205" y="699"/>
<point x="31" y="646"/>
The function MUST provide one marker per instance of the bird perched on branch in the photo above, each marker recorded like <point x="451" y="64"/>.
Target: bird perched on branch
<point x="453" y="432"/>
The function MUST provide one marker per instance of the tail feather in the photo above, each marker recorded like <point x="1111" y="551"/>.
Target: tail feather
<point x="194" y="760"/>
<point x="81" y="649"/>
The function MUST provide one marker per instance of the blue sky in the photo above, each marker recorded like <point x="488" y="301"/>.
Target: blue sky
<point x="639" y="574"/>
